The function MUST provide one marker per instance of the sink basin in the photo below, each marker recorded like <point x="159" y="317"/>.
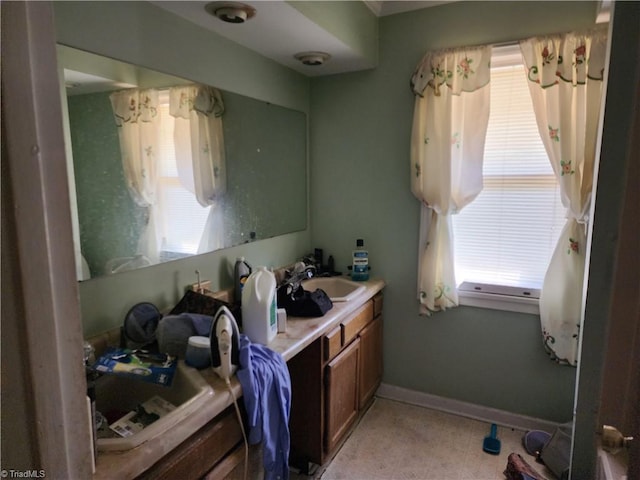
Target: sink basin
<point x="188" y="393"/>
<point x="338" y="289"/>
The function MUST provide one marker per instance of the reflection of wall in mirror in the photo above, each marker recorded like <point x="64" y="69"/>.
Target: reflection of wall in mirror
<point x="265" y="175"/>
<point x="266" y="172"/>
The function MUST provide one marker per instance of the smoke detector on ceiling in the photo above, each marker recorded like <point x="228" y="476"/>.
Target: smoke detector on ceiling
<point x="230" y="12"/>
<point x="312" y="59"/>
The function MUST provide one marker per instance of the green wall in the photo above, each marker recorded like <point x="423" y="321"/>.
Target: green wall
<point x="361" y="127"/>
<point x="143" y="34"/>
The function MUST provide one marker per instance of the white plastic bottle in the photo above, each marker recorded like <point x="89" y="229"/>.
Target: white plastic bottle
<point x="259" y="317"/>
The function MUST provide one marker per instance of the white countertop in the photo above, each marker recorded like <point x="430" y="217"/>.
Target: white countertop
<point x="301" y="332"/>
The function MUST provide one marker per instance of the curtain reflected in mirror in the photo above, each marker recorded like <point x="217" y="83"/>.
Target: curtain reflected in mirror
<point x="211" y="170"/>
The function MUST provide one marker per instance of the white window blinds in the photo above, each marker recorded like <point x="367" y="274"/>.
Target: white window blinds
<point x="507" y="234"/>
<point x="182" y="219"/>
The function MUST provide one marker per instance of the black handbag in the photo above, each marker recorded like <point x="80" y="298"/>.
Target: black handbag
<point x="195" y="302"/>
<point x="301" y="303"/>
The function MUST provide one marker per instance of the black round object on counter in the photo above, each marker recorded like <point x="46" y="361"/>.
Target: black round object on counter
<point x="141" y="323"/>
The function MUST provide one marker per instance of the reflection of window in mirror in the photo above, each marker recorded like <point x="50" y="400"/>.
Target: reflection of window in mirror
<point x="181" y="219"/>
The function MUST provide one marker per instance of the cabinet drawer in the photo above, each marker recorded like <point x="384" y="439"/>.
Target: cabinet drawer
<point x="199" y="453"/>
<point x="232" y="466"/>
<point x="377" y="304"/>
<point x="357" y="322"/>
<point x="332" y="343"/>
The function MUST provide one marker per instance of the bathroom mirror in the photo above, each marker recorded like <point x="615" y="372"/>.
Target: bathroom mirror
<point x="265" y="150"/>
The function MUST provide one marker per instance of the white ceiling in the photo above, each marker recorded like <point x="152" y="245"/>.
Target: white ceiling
<point x="279" y="31"/>
<point x="78" y="83"/>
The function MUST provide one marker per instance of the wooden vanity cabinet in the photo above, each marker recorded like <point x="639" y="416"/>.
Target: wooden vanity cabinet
<point x="333" y="382"/>
<point x="202" y="452"/>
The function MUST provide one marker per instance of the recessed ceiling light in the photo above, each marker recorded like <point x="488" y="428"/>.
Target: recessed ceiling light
<point x="230" y="12"/>
<point x="312" y="59"/>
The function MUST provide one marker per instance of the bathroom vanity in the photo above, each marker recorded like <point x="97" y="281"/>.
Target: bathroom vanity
<point x="335" y="362"/>
<point x="333" y="382"/>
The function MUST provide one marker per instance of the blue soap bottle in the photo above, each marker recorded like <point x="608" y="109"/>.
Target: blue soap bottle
<point x="360" y="266"/>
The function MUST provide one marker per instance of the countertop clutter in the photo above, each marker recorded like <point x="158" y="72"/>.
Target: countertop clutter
<point x="300" y="333"/>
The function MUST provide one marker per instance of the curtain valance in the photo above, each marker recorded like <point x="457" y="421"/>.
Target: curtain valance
<point x="134" y="105"/>
<point x="203" y="99"/>
<point x="572" y="58"/>
<point x="461" y="70"/>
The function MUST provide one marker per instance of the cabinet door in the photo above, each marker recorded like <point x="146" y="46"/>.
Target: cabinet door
<point x="306" y="420"/>
<point x="370" y="360"/>
<point x="341" y="394"/>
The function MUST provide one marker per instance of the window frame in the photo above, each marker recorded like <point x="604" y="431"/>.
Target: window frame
<point x="499" y="297"/>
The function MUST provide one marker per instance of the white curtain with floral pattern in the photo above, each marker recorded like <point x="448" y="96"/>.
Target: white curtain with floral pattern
<point x="450" y="119"/>
<point x="136" y="115"/>
<point x="565" y="74"/>
<point x="200" y="154"/>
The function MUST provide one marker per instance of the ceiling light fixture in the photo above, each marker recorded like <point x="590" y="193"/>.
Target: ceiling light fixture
<point x="230" y="12"/>
<point x="312" y="59"/>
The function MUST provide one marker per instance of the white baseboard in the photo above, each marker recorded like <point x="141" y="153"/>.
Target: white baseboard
<point x="465" y="409"/>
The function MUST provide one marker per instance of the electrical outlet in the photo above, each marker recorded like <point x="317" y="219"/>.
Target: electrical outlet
<point x="204" y="285"/>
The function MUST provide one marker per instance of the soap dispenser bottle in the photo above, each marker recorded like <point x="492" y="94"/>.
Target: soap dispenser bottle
<point x="241" y="272"/>
<point x="360" y="266"/>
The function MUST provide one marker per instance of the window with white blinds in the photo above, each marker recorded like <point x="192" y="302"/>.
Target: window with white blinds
<point x="181" y="219"/>
<point x="506" y="236"/>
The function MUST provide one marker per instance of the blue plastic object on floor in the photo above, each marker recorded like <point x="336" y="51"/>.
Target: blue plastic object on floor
<point x="491" y="443"/>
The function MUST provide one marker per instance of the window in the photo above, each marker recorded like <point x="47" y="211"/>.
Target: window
<point x="504" y="239"/>
<point x="181" y="219"/>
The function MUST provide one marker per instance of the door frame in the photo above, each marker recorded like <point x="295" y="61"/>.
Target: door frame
<point x="613" y="174"/>
<point x="43" y="313"/>
<point x="620" y="400"/>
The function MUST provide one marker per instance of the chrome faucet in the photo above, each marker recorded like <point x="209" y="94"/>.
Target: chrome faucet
<point x="300" y="272"/>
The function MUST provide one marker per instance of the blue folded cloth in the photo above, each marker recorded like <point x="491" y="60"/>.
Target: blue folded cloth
<point x="266" y="389"/>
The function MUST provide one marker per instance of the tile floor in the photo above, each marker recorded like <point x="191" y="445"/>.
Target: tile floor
<point x="400" y="441"/>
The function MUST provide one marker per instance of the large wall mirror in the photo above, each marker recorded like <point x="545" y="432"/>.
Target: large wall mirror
<point x="264" y="170"/>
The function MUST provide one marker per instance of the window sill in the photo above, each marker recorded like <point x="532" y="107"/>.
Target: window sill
<point x="496" y="301"/>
